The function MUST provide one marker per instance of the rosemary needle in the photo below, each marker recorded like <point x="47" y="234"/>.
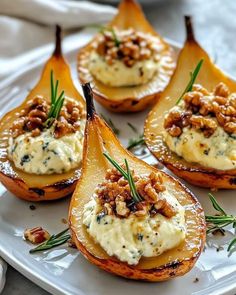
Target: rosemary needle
<point x="218" y="222"/>
<point x="103" y="29"/>
<point x="56" y="102"/>
<point x="193" y="76"/>
<point x="127" y="175"/>
<point x="137" y="141"/>
<point x="137" y="198"/>
<point x="132" y="127"/>
<point x="134" y="142"/>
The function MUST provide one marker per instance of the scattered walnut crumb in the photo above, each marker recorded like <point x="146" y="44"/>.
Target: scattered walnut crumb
<point x="71" y="244"/>
<point x="214" y="189"/>
<point x="36" y="235"/>
<point x="64" y="221"/>
<point x="220" y="248"/>
<point x="219" y="232"/>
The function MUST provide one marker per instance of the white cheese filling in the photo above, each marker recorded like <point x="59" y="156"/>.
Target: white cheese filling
<point x="133" y="237"/>
<point x="217" y="151"/>
<point x="45" y="154"/>
<point x="118" y="74"/>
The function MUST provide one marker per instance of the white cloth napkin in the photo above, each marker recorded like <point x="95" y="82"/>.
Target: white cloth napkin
<point x="27" y="24"/>
<point x="70" y="14"/>
<point x="3" y="268"/>
<point x="26" y="31"/>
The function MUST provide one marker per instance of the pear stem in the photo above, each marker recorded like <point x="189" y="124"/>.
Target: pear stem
<point x="189" y="28"/>
<point x="88" y="94"/>
<point x="57" y="50"/>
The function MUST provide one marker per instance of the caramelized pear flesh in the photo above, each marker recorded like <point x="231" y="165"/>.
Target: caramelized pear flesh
<point x="99" y="139"/>
<point x="208" y="77"/>
<point x="34" y="187"/>
<point x="132" y="98"/>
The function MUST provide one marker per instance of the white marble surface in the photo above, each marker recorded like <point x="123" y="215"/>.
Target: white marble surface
<point x="215" y="26"/>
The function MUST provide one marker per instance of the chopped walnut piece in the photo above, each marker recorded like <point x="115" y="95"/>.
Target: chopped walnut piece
<point x="221" y="90"/>
<point x="17" y="127"/>
<point x="200" y="88"/>
<point x="193" y="98"/>
<point x="165" y="208"/>
<point x="121" y="208"/>
<point x="108" y="209"/>
<point x="36" y="132"/>
<point x="232" y="100"/>
<point x="146" y="190"/>
<point x="114" y="196"/>
<point x="208" y="126"/>
<point x="71" y="244"/>
<point x="33" y="123"/>
<point x="175" y="121"/>
<point x="230" y="111"/>
<point x="62" y="127"/>
<point x="230" y="127"/>
<point x="157" y="181"/>
<point x="36" y="235"/>
<point x="175" y="131"/>
<point x="34" y="115"/>
<point x="132" y="47"/>
<point x="203" y="110"/>
<point x="220" y="100"/>
<point x="173" y="118"/>
<point x="142" y="209"/>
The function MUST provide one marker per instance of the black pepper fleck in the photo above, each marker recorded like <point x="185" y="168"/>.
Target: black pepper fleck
<point x="139" y="237"/>
<point x="32" y="207"/>
<point x="45" y="145"/>
<point x="24" y="159"/>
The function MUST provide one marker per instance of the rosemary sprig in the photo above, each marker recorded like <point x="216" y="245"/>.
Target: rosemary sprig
<point x="137" y="198"/>
<point x="193" y="76"/>
<point x="111" y="124"/>
<point x="137" y="141"/>
<point x="231" y="244"/>
<point x="56" y="102"/>
<point x="216" y="205"/>
<point x="103" y="29"/>
<point x="54" y="241"/>
<point x="127" y="175"/>
<point x="218" y="222"/>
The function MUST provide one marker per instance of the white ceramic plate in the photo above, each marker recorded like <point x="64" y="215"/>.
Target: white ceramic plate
<point x="65" y="271"/>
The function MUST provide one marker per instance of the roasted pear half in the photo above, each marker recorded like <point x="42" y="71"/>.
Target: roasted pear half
<point x="99" y="138"/>
<point x="208" y="77"/>
<point x="34" y="187"/>
<point x="132" y="98"/>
